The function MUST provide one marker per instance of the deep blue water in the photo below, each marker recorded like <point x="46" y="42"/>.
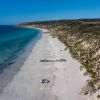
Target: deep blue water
<point x="13" y="41"/>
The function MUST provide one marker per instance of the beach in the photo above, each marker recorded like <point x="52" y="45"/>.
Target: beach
<point x="66" y="78"/>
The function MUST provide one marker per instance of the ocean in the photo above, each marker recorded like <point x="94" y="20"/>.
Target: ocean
<point x="14" y="42"/>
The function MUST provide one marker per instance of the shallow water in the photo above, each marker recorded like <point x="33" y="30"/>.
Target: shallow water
<point x="13" y="41"/>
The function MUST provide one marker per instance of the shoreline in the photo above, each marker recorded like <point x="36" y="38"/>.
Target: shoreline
<point x="65" y="82"/>
<point x="7" y="76"/>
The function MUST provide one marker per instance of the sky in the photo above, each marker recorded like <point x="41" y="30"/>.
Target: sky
<point x="19" y="11"/>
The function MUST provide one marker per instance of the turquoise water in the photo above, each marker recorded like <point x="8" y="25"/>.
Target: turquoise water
<point x="13" y="41"/>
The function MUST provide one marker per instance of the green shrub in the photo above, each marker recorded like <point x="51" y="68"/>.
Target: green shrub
<point x="98" y="96"/>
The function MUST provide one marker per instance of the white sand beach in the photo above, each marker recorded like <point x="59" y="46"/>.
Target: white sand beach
<point x="66" y="79"/>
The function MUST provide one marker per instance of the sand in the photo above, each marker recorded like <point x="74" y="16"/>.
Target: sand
<point x="66" y="79"/>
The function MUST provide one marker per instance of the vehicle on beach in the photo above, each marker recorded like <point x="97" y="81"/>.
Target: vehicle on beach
<point x="44" y="81"/>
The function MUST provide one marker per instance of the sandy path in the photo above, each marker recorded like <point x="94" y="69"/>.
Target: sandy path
<point x="66" y="79"/>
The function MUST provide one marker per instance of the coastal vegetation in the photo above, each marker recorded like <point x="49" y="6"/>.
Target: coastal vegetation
<point x="98" y="96"/>
<point x="82" y="38"/>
